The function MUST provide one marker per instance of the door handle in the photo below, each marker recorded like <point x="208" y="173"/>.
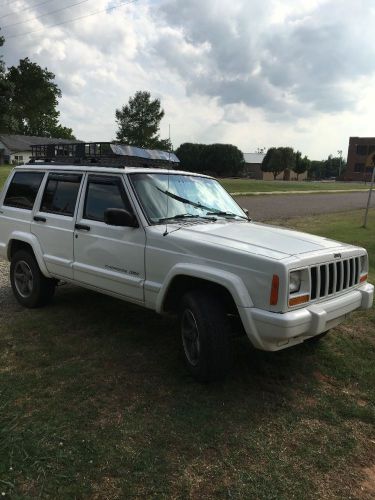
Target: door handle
<point x="82" y="227"/>
<point x="38" y="218"/>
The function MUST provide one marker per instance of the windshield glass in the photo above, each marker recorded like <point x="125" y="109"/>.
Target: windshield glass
<point x="183" y="196"/>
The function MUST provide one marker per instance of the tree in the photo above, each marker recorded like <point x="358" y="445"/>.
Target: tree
<point x="278" y="160"/>
<point x="316" y="170"/>
<point x="271" y="162"/>
<point x="217" y="159"/>
<point x="139" y="122"/>
<point x="190" y="156"/>
<point x="301" y="164"/>
<point x="34" y="100"/>
<point x="333" y="165"/>
<point x="287" y="159"/>
<point x="5" y="96"/>
<point x="60" y="132"/>
<point x="222" y="159"/>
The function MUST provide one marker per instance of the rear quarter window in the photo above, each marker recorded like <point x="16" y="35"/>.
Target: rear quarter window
<point x="23" y="190"/>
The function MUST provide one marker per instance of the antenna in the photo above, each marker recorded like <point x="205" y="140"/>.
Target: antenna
<point x="169" y="166"/>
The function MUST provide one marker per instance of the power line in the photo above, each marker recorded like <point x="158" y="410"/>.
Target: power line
<point x="46" y="14"/>
<point x="73" y="20"/>
<point x="24" y="10"/>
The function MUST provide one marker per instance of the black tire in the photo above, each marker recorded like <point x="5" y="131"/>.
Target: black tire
<point x="204" y="311"/>
<point x="317" y="338"/>
<point x="35" y="290"/>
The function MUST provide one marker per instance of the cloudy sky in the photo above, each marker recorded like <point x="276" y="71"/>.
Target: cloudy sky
<point x="256" y="73"/>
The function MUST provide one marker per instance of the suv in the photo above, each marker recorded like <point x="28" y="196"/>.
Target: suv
<point x="177" y="243"/>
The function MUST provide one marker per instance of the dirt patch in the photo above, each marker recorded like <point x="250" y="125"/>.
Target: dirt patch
<point x="368" y="485"/>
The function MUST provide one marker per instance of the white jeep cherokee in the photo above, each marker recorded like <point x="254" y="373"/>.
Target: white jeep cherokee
<point x="176" y="242"/>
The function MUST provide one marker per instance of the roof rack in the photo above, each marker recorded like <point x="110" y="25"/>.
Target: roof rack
<point x="104" y="154"/>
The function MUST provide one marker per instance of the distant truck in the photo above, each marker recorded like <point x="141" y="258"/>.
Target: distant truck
<point x="177" y="243"/>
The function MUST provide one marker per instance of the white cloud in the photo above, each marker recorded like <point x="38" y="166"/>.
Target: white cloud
<point x="260" y="73"/>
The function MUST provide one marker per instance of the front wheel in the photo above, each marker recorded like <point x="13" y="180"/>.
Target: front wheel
<point x="205" y="334"/>
<point x="30" y="287"/>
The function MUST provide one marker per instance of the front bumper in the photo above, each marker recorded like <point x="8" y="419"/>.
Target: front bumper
<point x="273" y="331"/>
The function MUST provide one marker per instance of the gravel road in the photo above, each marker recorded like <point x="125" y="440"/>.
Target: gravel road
<point x="292" y="205"/>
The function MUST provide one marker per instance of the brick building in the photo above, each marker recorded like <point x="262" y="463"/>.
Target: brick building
<point x="358" y="151"/>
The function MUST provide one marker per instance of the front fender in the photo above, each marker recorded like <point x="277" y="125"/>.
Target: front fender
<point x="34" y="243"/>
<point x="231" y="282"/>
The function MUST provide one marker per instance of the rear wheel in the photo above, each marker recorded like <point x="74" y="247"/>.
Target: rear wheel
<point x="30" y="287"/>
<point x="205" y="334"/>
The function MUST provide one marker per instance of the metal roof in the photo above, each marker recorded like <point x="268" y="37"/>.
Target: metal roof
<point x="253" y="157"/>
<point x="15" y="143"/>
<point x="151" y="154"/>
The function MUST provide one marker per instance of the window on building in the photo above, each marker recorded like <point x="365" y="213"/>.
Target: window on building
<point x="371" y="149"/>
<point x="60" y="194"/>
<point x="361" y="149"/>
<point x="23" y="189"/>
<point x="102" y="193"/>
<point x="359" y="167"/>
<point x="369" y="170"/>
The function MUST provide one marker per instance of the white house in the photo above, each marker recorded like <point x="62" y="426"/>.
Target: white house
<point x="16" y="149"/>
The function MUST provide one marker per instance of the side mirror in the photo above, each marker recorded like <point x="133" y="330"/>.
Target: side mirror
<point x="119" y="217"/>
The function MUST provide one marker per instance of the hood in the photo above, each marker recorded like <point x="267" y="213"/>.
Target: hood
<point x="269" y="241"/>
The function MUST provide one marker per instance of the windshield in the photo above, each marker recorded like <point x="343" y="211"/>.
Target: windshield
<point x="176" y="196"/>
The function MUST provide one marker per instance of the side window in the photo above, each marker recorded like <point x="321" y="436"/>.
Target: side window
<point x="23" y="189"/>
<point x="60" y="194"/>
<point x="102" y="193"/>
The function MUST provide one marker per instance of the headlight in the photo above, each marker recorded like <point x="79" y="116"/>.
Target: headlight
<point x="363" y="264"/>
<point x="294" y="281"/>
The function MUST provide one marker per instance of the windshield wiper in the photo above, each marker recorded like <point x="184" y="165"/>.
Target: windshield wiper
<point x="226" y="214"/>
<point x="184" y="200"/>
<point x="185" y="216"/>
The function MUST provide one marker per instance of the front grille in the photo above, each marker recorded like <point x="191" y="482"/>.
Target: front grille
<point x="328" y="279"/>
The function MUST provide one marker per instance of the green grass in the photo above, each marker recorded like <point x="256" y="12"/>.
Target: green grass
<point x="95" y="403"/>
<point x="4" y="172"/>
<point x="248" y="186"/>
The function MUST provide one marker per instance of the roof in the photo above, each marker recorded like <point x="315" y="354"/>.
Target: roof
<point x="253" y="157"/>
<point x="151" y="154"/>
<point x="106" y="170"/>
<point x="16" y="143"/>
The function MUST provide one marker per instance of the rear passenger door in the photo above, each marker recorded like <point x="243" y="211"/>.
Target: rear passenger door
<point x="53" y="221"/>
<point x="17" y="206"/>
<point x="108" y="257"/>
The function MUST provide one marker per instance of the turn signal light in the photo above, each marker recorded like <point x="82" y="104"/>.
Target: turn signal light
<point x="299" y="300"/>
<point x="363" y="278"/>
<point x="274" y="296"/>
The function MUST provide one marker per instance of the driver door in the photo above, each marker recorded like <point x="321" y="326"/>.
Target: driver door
<point x="109" y="258"/>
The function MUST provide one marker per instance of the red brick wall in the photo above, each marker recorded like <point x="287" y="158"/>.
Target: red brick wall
<point x="359" y="149"/>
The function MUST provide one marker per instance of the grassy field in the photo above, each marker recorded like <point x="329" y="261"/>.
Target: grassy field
<point x="249" y="186"/>
<point x="95" y="403"/>
<point x="4" y="172"/>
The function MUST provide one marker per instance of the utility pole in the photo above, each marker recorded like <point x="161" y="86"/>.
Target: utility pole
<point x="369" y="162"/>
<point x="340" y="155"/>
